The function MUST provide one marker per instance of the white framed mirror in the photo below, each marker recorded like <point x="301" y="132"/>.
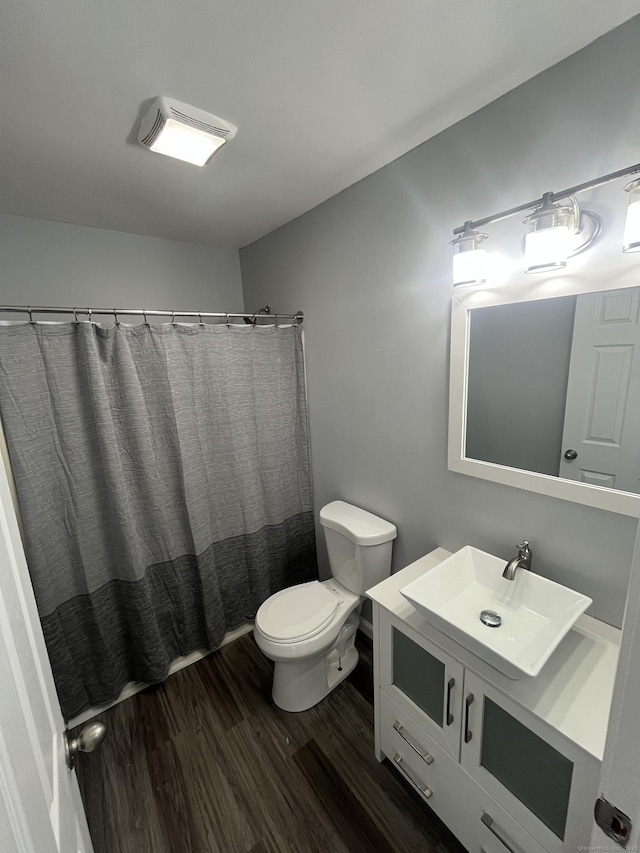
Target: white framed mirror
<point x="545" y="388"/>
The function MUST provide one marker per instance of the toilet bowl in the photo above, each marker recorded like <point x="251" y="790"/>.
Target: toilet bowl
<point x="309" y="630"/>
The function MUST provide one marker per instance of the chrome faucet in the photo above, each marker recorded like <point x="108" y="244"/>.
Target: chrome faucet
<point x="522" y="561"/>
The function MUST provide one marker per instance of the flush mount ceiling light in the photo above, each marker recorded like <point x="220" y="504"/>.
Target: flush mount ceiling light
<point x="554" y="232"/>
<point x="184" y="132"/>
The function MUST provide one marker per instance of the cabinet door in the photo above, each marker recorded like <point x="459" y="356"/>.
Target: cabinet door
<point x="423" y="680"/>
<point x="543" y="780"/>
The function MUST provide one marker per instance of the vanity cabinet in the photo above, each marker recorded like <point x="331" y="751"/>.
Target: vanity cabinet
<point x="507" y="765"/>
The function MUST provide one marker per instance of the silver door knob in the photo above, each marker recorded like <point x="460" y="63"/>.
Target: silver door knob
<point x="90" y="738"/>
<point x="571" y="455"/>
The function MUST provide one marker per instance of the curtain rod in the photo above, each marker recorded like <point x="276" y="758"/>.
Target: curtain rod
<point x="265" y="312"/>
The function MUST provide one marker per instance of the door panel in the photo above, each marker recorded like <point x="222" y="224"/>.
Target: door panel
<point x="602" y="414"/>
<point x="40" y="796"/>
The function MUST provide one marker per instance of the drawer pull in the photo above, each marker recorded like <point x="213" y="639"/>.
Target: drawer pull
<point x="425" y="756"/>
<point x="426" y="792"/>
<point x="450" y="685"/>
<point x="488" y="822"/>
<point x="468" y="734"/>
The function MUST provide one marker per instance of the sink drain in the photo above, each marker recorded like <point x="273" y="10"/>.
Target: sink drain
<point x="491" y="619"/>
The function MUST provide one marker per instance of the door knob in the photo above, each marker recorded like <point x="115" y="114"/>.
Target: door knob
<point x="571" y="455"/>
<point x="90" y="738"/>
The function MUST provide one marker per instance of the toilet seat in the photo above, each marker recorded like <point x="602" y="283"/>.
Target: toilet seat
<point x="297" y="613"/>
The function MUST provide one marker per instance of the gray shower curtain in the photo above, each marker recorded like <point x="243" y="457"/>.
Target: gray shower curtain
<point x="164" y="482"/>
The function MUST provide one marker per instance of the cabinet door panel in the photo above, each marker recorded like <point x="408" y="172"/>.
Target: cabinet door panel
<point x="422" y="679"/>
<point x="540" y="776"/>
<point x="419" y="675"/>
<point x="543" y="780"/>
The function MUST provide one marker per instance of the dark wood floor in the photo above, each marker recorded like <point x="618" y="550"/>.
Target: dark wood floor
<point x="205" y="763"/>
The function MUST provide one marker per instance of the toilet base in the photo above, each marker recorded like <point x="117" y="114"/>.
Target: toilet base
<point x="299" y="685"/>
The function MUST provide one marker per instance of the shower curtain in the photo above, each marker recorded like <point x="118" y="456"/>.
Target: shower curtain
<point x="164" y="482"/>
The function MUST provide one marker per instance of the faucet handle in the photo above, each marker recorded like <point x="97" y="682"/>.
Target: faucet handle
<point x="524" y="545"/>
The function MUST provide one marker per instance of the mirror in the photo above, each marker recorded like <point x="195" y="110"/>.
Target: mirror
<point x="545" y="394"/>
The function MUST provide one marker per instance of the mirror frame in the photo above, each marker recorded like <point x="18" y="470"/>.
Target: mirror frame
<point x="624" y="503"/>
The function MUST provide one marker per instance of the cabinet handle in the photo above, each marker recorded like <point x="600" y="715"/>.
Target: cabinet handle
<point x="450" y="685"/>
<point x="425" y="756"/>
<point x="426" y="792"/>
<point x="488" y="822"/>
<point x="468" y="734"/>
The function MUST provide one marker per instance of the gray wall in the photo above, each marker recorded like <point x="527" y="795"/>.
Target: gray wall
<point x="371" y="268"/>
<point x="517" y="389"/>
<point x="54" y="263"/>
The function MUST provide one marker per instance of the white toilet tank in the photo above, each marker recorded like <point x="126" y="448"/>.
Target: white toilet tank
<point x="359" y="545"/>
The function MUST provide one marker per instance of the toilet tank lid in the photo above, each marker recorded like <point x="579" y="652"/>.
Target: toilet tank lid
<point x="357" y="524"/>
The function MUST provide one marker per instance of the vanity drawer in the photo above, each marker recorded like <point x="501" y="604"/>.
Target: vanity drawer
<point x="445" y="786"/>
<point x="489" y="829"/>
<point x="424" y="764"/>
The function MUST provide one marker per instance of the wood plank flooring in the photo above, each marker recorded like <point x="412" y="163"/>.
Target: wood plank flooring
<point x="205" y="763"/>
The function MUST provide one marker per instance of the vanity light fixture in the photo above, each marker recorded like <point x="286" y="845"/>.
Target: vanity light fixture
<point x="554" y="232"/>
<point x="184" y="132"/>
<point x="469" y="260"/>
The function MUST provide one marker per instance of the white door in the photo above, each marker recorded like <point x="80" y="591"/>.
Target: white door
<point x="620" y="774"/>
<point x="602" y="415"/>
<point x="40" y="806"/>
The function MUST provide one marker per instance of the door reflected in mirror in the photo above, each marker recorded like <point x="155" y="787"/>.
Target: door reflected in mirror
<point x="553" y="387"/>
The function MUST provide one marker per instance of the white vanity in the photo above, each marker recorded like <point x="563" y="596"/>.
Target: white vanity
<point x="506" y="764"/>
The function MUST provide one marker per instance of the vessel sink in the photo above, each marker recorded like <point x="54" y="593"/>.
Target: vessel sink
<point x="534" y="613"/>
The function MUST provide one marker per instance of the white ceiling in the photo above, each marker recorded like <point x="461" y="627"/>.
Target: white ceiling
<point x="323" y="92"/>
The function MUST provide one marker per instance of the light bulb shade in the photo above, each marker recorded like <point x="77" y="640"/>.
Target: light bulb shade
<point x="470" y="268"/>
<point x="184" y="132"/>
<point x="548" y="237"/>
<point x="469" y="260"/>
<point x="631" y="242"/>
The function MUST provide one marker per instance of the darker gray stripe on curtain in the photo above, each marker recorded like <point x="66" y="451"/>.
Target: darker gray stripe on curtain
<point x="97" y="641"/>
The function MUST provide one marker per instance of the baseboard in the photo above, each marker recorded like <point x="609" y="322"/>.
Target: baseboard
<point x="179" y="663"/>
<point x="366" y="628"/>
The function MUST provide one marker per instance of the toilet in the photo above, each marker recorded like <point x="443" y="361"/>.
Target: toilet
<point x="309" y="630"/>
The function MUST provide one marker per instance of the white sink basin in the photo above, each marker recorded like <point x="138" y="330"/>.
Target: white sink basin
<point x="536" y="613"/>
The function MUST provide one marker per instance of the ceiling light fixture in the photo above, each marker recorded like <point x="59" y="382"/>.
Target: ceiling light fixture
<point x="554" y="232"/>
<point x="184" y="132"/>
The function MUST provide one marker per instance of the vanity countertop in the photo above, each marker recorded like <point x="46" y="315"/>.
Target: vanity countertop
<point x="574" y="690"/>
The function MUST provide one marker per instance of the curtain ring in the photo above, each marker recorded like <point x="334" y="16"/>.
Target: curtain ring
<point x="115" y="314"/>
<point x="31" y="320"/>
<point x="200" y="318"/>
<point x="75" y="314"/>
<point x="144" y="314"/>
<point x="276" y="321"/>
<point x="173" y="318"/>
<point x="89" y="313"/>
<point x="227" y="320"/>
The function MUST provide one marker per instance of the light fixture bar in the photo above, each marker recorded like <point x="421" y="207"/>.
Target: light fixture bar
<point x="587" y="185"/>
